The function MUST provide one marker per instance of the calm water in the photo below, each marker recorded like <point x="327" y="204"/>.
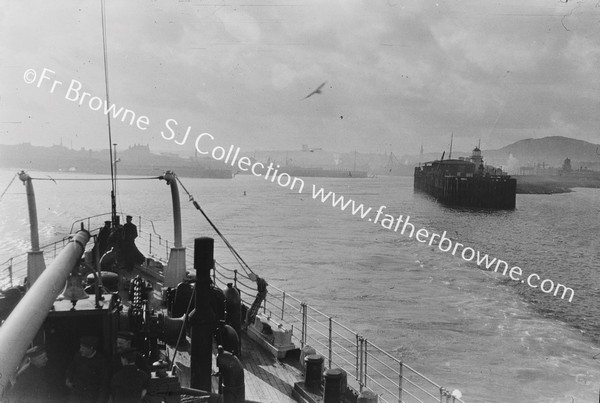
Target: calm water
<point x="466" y="328"/>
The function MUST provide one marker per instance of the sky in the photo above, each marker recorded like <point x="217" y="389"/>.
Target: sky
<point x="398" y="73"/>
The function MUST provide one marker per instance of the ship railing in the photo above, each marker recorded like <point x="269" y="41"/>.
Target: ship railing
<point x="13" y="271"/>
<point x="366" y="365"/>
<point x="149" y="241"/>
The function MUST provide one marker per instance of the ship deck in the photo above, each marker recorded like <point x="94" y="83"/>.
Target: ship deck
<point x="267" y="379"/>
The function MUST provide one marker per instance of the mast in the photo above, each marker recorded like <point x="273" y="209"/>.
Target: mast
<point x="451" y="138"/>
<point x="113" y="196"/>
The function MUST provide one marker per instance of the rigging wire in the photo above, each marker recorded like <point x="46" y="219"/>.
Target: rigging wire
<point x="185" y="319"/>
<point x="105" y="53"/>
<point x="96" y="179"/>
<point x="252" y="276"/>
<point x="5" y="190"/>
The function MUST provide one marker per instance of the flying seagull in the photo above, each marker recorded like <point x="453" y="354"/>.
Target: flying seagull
<point x="317" y="91"/>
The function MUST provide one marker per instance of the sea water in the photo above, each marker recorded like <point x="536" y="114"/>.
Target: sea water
<point x="494" y="339"/>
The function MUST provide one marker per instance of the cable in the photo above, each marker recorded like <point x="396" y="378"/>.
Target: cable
<point x="5" y="190"/>
<point x="252" y="276"/>
<point x="96" y="179"/>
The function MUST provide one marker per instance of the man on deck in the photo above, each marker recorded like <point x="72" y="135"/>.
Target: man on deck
<point x="103" y="235"/>
<point x="124" y="343"/>
<point x="129" y="384"/>
<point x="131" y="254"/>
<point x="87" y="376"/>
<point x="32" y="379"/>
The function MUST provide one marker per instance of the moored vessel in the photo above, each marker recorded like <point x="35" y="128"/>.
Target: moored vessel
<point x="466" y="182"/>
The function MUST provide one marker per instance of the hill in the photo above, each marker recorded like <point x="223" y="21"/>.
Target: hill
<point x="550" y="151"/>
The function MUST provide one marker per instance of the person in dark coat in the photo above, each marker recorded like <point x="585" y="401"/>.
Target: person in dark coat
<point x="102" y="240"/>
<point x="129" y="384"/>
<point x="123" y="343"/>
<point x="131" y="254"/>
<point x="32" y="379"/>
<point x="87" y="376"/>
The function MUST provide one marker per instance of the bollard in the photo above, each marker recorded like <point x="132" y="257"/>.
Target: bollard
<point x="306" y="351"/>
<point x="335" y="385"/>
<point x="313" y="372"/>
<point x="181" y="300"/>
<point x="233" y="311"/>
<point x="232" y="377"/>
<point x="218" y="299"/>
<point x="228" y="338"/>
<point x="366" y="396"/>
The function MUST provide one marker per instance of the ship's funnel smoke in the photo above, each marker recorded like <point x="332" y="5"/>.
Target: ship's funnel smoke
<point x="512" y="165"/>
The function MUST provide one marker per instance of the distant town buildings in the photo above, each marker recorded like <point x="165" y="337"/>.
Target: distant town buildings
<point x="568" y="166"/>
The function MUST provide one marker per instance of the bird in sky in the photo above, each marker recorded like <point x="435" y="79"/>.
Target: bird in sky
<point x="317" y="91"/>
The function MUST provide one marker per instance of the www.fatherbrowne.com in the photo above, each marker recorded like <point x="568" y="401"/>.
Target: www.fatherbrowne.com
<point x="405" y="227"/>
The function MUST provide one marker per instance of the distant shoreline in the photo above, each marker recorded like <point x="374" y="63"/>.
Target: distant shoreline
<point x="534" y="184"/>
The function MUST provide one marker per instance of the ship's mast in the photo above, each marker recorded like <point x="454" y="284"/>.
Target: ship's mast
<point x="113" y="196"/>
<point x="451" y="138"/>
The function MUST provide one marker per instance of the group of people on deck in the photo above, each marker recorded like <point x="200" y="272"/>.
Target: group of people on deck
<point x="120" y="239"/>
<point x="88" y="375"/>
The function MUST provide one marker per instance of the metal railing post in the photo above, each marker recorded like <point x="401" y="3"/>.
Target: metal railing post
<point x="366" y="365"/>
<point x="400" y="383"/>
<point x="357" y="355"/>
<point x="360" y="367"/>
<point x="282" y="305"/>
<point x="10" y="272"/>
<point x="303" y="307"/>
<point x="330" y="339"/>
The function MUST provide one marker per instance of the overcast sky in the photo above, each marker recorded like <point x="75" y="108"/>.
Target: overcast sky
<point x="399" y="73"/>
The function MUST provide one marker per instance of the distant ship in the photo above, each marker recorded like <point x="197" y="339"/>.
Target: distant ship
<point x="466" y="182"/>
<point x="322" y="173"/>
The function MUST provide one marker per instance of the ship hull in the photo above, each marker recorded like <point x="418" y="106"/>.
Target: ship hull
<point x="482" y="192"/>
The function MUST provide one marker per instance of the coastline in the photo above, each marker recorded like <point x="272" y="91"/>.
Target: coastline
<point x="534" y="184"/>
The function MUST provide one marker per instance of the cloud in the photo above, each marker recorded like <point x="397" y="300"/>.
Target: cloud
<point x="400" y="73"/>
